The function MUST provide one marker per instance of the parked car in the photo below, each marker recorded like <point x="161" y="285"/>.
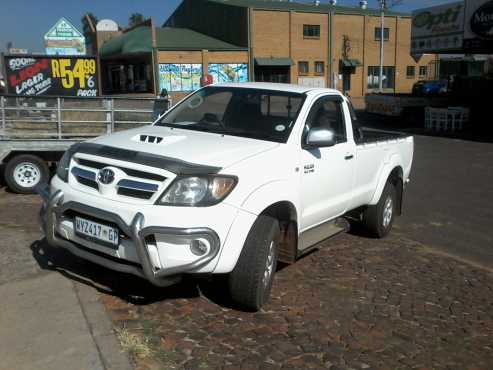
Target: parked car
<point x="229" y="181"/>
<point x="432" y="87"/>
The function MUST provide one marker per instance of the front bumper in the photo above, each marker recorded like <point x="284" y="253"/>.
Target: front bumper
<point x="53" y="211"/>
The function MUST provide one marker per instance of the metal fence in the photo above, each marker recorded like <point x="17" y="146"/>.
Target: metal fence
<point x="71" y="118"/>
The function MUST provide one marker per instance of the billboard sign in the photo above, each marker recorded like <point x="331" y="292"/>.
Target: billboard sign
<point x="438" y="29"/>
<point x="478" y="30"/>
<point x="51" y="76"/>
<point x="64" y="39"/>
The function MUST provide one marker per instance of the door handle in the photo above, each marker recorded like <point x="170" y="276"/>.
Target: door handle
<point x="348" y="157"/>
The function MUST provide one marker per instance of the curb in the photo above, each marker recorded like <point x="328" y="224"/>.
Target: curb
<point x="101" y="328"/>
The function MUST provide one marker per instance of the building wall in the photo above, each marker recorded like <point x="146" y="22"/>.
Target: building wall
<point x="352" y="26"/>
<point x="308" y="49"/>
<point x="267" y="26"/>
<point x="279" y="34"/>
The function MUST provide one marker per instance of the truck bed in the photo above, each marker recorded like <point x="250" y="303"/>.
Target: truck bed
<point x="373" y="136"/>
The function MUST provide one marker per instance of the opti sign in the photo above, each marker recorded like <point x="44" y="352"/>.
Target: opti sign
<point x="439" y="28"/>
<point x="54" y="76"/>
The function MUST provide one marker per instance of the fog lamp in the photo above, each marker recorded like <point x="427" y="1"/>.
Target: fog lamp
<point x="199" y="247"/>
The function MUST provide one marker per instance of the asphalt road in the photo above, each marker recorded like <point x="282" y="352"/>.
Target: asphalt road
<point x="449" y="203"/>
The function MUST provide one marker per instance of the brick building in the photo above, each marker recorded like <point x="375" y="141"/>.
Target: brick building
<point x="281" y="41"/>
<point x="326" y="45"/>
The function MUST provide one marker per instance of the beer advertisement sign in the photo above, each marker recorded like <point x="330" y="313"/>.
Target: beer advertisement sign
<point x="51" y="76"/>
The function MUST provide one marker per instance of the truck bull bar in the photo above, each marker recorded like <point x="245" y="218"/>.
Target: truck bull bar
<point x="52" y="209"/>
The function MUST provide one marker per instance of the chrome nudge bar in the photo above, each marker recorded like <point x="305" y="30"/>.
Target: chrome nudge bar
<point x="53" y="210"/>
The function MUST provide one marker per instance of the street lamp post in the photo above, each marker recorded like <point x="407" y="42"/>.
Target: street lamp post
<point x="382" y="20"/>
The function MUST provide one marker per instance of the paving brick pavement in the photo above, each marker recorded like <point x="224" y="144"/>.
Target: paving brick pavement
<point x="355" y="304"/>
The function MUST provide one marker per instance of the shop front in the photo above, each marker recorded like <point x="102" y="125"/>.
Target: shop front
<point x="149" y="59"/>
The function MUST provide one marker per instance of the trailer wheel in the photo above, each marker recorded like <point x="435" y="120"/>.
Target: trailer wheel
<point x="24" y="172"/>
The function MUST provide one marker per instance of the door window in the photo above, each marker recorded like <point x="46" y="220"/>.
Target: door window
<point x="327" y="112"/>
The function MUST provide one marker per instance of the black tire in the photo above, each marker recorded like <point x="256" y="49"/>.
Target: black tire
<point x="246" y="284"/>
<point x="374" y="222"/>
<point x="33" y="166"/>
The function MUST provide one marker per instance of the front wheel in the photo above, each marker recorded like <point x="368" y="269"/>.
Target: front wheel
<point x="24" y="172"/>
<point x="379" y="218"/>
<point x="251" y="280"/>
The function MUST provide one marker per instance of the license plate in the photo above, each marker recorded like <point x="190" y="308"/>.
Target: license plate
<point x="95" y="231"/>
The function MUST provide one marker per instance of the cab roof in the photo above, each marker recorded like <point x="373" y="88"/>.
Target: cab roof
<point x="277" y="87"/>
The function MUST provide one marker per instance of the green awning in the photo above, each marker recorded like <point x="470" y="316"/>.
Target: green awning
<point x="352" y="63"/>
<point x="138" y="40"/>
<point x="274" y="62"/>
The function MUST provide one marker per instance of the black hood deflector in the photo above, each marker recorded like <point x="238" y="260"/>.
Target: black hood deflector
<point x="176" y="166"/>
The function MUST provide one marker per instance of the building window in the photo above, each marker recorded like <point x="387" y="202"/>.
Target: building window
<point x="227" y="72"/>
<point x="311" y="31"/>
<point x="180" y="77"/>
<point x="388" y="78"/>
<point x="410" y="71"/>
<point x="385" y="34"/>
<point x="423" y="71"/>
<point x="319" y="68"/>
<point x="303" y="68"/>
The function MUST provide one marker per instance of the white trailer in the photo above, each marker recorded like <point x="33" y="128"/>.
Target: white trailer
<point x="36" y="131"/>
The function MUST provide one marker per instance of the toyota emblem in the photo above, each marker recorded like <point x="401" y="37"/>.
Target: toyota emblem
<point x="106" y="176"/>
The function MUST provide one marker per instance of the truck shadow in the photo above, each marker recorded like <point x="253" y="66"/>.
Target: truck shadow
<point x="127" y="287"/>
<point x="124" y="286"/>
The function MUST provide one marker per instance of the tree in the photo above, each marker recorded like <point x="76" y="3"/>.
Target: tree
<point x="135" y="19"/>
<point x="10" y="44"/>
<point x="89" y="22"/>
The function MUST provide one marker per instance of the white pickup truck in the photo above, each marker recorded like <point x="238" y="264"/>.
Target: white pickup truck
<point x="232" y="179"/>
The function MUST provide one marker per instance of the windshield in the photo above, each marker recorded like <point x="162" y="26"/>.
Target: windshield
<point x="253" y="113"/>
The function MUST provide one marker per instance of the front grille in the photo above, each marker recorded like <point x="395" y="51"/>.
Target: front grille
<point x="139" y="184"/>
<point x="89" y="183"/>
<point x="135" y="193"/>
<point x="86" y="178"/>
<point x="128" y="171"/>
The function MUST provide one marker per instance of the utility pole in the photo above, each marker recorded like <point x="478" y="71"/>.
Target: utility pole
<point x="383" y="5"/>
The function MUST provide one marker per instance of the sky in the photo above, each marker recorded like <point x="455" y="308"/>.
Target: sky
<point x="24" y="22"/>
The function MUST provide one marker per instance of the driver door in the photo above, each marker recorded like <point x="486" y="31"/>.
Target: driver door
<point x="326" y="173"/>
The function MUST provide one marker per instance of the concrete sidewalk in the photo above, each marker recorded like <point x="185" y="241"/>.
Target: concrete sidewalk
<point x="48" y="321"/>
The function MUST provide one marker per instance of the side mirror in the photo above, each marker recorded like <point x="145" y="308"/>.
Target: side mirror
<point x="320" y="138"/>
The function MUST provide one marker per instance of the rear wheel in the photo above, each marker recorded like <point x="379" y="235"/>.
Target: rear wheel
<point x="378" y="219"/>
<point x="24" y="172"/>
<point x="251" y="280"/>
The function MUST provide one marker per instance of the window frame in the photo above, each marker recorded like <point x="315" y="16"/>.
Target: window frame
<point x="377" y="69"/>
<point x="306" y="33"/>
<point x="421" y="68"/>
<point x="386" y="34"/>
<point x="338" y="100"/>
<point x="319" y="63"/>
<point x="300" y="72"/>
<point x="411" y="75"/>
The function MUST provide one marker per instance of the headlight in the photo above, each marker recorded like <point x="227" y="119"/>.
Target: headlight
<point x="198" y="191"/>
<point x="64" y="164"/>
